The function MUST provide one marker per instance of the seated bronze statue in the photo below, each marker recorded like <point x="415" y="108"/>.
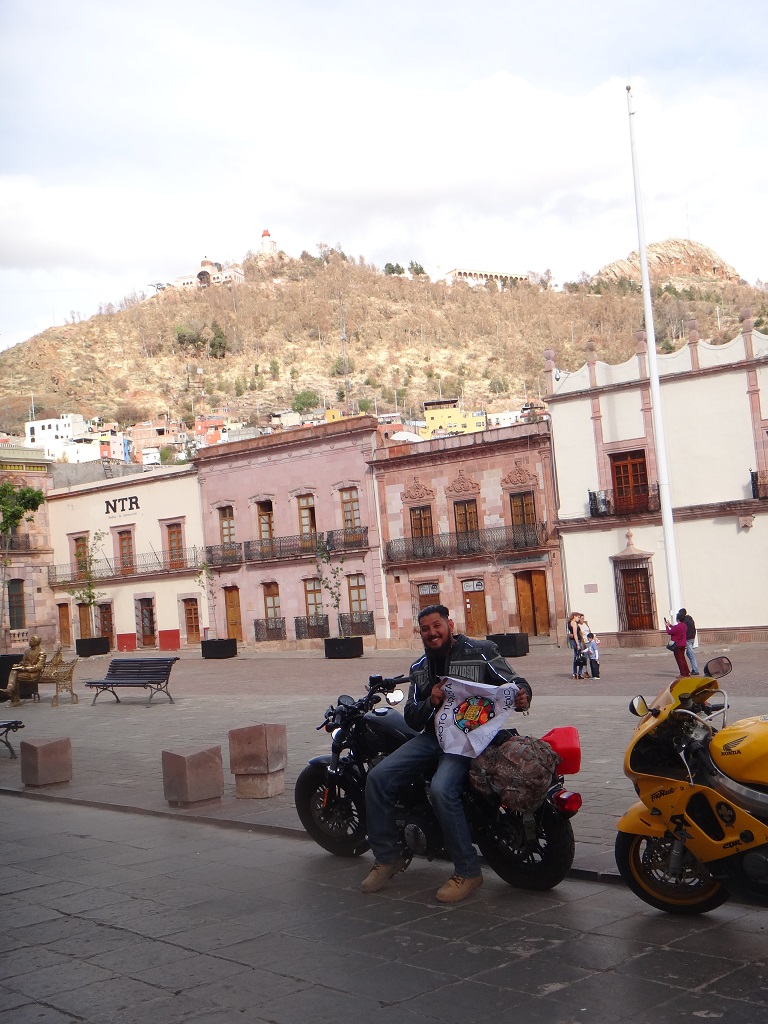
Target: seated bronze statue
<point x="27" y="671"/>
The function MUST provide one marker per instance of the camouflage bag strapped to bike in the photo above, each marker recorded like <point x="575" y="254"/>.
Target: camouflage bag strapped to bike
<point x="518" y="770"/>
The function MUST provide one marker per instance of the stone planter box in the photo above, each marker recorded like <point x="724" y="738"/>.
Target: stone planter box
<point x="344" y="647"/>
<point x="86" y="647"/>
<point x="226" y="648"/>
<point x="511" y="645"/>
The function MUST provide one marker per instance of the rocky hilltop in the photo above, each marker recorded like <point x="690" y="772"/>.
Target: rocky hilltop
<point x="677" y="261"/>
<point x="276" y="340"/>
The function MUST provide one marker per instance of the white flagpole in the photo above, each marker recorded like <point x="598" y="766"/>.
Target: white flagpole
<point x="662" y="466"/>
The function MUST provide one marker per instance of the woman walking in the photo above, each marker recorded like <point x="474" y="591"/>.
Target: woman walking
<point x="678" y="635"/>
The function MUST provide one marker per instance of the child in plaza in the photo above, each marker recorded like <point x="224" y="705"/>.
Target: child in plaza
<point x="592" y="651"/>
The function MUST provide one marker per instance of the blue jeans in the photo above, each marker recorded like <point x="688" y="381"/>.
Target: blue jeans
<point x="691" y="658"/>
<point x="419" y="758"/>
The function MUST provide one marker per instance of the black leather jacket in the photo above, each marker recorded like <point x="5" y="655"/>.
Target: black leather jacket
<point x="476" y="660"/>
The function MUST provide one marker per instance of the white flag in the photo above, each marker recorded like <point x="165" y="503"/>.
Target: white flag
<point x="472" y="714"/>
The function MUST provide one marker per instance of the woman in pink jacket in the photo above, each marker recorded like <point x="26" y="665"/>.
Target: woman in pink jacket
<point x="678" y="634"/>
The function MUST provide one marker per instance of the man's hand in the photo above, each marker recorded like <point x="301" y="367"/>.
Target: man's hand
<point x="437" y="696"/>
<point x="521" y="701"/>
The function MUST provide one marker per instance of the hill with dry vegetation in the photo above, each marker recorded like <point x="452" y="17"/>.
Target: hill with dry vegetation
<point x="278" y="336"/>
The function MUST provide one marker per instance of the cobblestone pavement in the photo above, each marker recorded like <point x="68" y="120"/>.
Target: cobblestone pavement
<point x="117" y="747"/>
<point x="112" y="918"/>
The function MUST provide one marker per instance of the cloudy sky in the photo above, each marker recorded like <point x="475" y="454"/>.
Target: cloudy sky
<point x="139" y="137"/>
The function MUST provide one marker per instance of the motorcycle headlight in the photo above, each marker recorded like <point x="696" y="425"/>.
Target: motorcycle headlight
<point x="336" y="734"/>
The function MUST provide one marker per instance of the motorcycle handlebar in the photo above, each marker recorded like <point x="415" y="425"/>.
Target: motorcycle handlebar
<point x="384" y="685"/>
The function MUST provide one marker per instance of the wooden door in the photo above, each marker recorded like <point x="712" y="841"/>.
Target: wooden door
<point x="637" y="597"/>
<point x="84" y="617"/>
<point x="525" y="612"/>
<point x="232" y="604"/>
<point x="65" y="626"/>
<point x="540" y="602"/>
<point x="107" y="623"/>
<point x="532" y="603"/>
<point x="475" y="620"/>
<point x="192" y="620"/>
<point x="147" y="622"/>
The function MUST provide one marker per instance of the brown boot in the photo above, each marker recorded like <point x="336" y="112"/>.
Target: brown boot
<point x="457" y="888"/>
<point x="380" y="874"/>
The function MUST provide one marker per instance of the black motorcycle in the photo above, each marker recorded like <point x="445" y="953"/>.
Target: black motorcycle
<point x="532" y="850"/>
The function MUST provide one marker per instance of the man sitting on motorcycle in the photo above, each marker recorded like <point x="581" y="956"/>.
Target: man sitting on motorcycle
<point x="447" y="653"/>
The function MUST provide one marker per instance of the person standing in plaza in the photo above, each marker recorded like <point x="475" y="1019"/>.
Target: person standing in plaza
<point x="678" y="635"/>
<point x="592" y="651"/>
<point x="575" y="643"/>
<point x="690" y="626"/>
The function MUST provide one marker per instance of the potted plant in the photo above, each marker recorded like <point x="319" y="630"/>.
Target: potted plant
<point x="213" y="646"/>
<point x="510" y="645"/>
<point x="85" y="593"/>
<point x="331" y="578"/>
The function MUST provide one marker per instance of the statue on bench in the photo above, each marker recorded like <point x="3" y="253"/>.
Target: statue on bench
<point x="28" y="670"/>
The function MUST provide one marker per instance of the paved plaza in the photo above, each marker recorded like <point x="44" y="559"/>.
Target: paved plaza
<point x="119" y="908"/>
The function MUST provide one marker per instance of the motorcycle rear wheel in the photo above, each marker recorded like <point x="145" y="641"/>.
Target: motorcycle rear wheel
<point x="539" y="866"/>
<point x="643" y="864"/>
<point x="339" y="827"/>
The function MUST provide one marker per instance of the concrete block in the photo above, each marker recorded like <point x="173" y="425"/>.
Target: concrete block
<point x="45" y="762"/>
<point x="192" y="775"/>
<point x="259" y="787"/>
<point x="258" y="749"/>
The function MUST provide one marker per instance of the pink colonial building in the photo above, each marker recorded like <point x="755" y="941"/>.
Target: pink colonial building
<point x="468" y="522"/>
<point x="268" y="503"/>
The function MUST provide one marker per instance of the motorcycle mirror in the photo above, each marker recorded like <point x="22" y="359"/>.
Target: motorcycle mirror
<point x="718" y="667"/>
<point x="346" y="702"/>
<point x="639" y="707"/>
<point x="395" y="697"/>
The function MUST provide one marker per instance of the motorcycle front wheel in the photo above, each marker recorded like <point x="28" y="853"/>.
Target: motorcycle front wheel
<point x="643" y="863"/>
<point x="337" y="823"/>
<point x="539" y="863"/>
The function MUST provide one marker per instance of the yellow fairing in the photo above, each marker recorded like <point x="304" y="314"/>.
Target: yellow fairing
<point x="741" y="750"/>
<point x="638" y="821"/>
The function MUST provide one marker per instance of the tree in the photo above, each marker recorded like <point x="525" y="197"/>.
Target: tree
<point x="416" y="269"/>
<point x="218" y="344"/>
<point x="393" y="268"/>
<point x="365" y="405"/>
<point x="17" y="505"/>
<point x="168" y="455"/>
<point x="85" y="593"/>
<point x="305" y="400"/>
<point x="331" y="577"/>
<point x="205" y="580"/>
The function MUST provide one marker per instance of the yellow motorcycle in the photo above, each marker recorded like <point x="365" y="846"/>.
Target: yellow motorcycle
<point x="699" y="832"/>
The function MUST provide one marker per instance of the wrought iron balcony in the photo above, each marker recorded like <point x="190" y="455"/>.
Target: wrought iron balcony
<point x="496" y="541"/>
<point x="609" y="503"/>
<point x="224" y="554"/>
<point x="76" y="573"/>
<point x="759" y="480"/>
<point x="346" y="540"/>
<point x="275" y="548"/>
<point x="356" y="624"/>
<point x="311" y="627"/>
<point x="15" y="542"/>
<point x="269" y="629"/>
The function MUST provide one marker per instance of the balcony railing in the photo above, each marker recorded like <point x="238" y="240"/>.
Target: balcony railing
<point x="224" y="554"/>
<point x="269" y="629"/>
<point x="346" y="540"/>
<point x="274" y="548"/>
<point x="759" y="481"/>
<point x="137" y="565"/>
<point x="608" y="503"/>
<point x="495" y="541"/>
<point x="356" y="624"/>
<point x="311" y="627"/>
<point x="15" y="542"/>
